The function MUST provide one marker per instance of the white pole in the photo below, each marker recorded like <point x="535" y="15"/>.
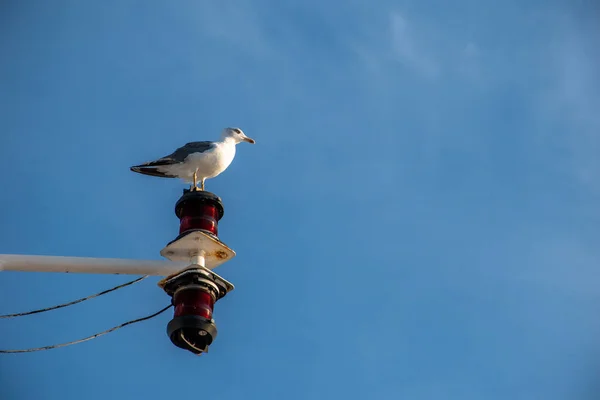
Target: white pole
<point x="199" y="258"/>
<point x="87" y="265"/>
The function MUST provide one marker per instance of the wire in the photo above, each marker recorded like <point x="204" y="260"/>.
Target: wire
<point x="74" y="301"/>
<point x="192" y="346"/>
<point x="55" y="346"/>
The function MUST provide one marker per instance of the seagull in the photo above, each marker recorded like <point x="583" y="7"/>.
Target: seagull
<point x="197" y="161"/>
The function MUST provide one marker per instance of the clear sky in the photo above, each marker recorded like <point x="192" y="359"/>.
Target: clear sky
<point x="419" y="219"/>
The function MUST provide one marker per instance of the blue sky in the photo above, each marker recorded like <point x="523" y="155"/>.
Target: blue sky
<point x="418" y="219"/>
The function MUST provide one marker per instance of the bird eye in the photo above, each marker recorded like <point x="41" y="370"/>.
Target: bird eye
<point x="237" y="131"/>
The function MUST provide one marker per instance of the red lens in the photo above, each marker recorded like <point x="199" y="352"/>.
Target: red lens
<point x="199" y="216"/>
<point x="194" y="301"/>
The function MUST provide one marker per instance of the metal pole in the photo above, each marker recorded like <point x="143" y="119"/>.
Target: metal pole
<point x="87" y="265"/>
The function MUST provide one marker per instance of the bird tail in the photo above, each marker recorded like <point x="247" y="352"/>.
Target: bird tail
<point x="149" y="169"/>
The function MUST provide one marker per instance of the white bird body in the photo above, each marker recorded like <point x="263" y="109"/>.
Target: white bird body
<point x="197" y="161"/>
<point x="207" y="164"/>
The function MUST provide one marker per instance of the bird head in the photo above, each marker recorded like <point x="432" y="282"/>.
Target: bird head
<point x="237" y="135"/>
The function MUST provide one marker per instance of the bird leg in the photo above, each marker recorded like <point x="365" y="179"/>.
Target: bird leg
<point x="202" y="184"/>
<point x="195" y="187"/>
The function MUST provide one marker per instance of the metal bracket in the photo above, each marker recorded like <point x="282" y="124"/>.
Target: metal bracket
<point x="194" y="270"/>
<point x="193" y="243"/>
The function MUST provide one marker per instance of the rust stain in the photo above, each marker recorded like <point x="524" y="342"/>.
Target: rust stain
<point x="220" y="254"/>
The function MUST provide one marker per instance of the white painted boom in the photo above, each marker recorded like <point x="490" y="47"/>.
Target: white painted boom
<point x="194" y="248"/>
<point x="27" y="263"/>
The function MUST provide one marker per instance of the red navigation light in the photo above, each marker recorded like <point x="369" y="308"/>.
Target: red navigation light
<point x="194" y="300"/>
<point x="202" y="216"/>
<point x="194" y="293"/>
<point x="199" y="210"/>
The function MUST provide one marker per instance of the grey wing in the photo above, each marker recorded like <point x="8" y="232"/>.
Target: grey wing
<point x="181" y="153"/>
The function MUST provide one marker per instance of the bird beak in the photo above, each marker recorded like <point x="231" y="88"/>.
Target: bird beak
<point x="249" y="140"/>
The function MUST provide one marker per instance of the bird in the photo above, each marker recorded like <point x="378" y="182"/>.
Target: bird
<point x="197" y="161"/>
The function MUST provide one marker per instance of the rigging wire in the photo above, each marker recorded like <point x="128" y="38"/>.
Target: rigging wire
<point x="192" y="346"/>
<point x="74" y="301"/>
<point x="55" y="346"/>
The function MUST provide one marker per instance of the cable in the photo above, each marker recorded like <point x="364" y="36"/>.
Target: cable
<point x="193" y="347"/>
<point x="74" y="301"/>
<point x="55" y="346"/>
